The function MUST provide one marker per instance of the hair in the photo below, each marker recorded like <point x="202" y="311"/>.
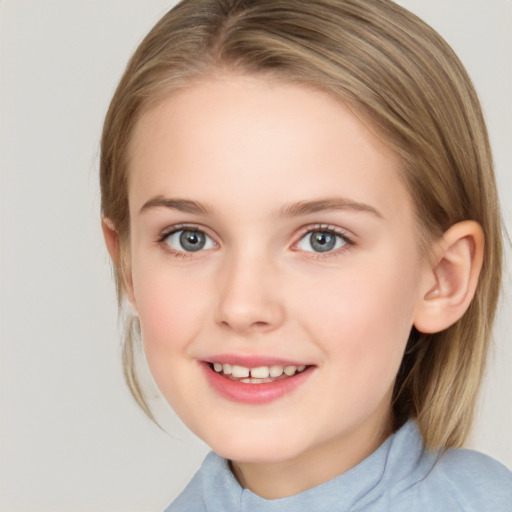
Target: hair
<point x="389" y="67"/>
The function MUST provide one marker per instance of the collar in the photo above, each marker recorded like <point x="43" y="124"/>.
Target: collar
<point x="400" y="460"/>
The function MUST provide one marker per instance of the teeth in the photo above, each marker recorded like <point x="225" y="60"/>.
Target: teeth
<point x="239" y="372"/>
<point x="290" y="370"/>
<point x="260" y="372"/>
<point x="276" y="371"/>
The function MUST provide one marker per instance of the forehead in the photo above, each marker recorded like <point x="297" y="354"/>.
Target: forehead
<point x="259" y="138"/>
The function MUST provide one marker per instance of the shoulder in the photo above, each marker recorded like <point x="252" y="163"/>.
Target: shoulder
<point x="191" y="499"/>
<point x="472" y="470"/>
<point x="472" y="481"/>
<point x="454" y="480"/>
<point x="212" y="487"/>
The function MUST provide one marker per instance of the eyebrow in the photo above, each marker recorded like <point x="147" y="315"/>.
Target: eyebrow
<point x="182" y="205"/>
<point x="329" y="204"/>
<point x="289" y="210"/>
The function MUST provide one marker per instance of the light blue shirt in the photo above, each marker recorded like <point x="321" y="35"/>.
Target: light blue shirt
<point x="400" y="476"/>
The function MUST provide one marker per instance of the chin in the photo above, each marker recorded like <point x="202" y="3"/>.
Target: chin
<point x="256" y="449"/>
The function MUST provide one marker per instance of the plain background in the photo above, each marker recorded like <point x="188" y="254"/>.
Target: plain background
<point x="72" y="438"/>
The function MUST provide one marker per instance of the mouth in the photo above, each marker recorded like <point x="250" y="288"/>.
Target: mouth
<point x="258" y="374"/>
<point x="255" y="383"/>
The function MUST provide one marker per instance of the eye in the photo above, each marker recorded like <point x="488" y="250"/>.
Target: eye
<point x="321" y="240"/>
<point x="189" y="240"/>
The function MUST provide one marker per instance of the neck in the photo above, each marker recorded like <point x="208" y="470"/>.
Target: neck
<point x="273" y="480"/>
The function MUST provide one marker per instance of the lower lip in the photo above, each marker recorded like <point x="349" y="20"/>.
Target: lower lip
<point x="254" y="393"/>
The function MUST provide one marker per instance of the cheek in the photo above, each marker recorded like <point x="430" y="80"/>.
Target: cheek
<point x="170" y="305"/>
<point x="363" y="317"/>
<point x="171" y="312"/>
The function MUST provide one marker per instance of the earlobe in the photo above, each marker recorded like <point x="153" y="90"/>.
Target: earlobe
<point x="453" y="277"/>
<point x="122" y="267"/>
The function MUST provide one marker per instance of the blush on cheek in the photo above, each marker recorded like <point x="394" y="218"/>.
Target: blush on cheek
<point x="364" y="331"/>
<point x="170" y="321"/>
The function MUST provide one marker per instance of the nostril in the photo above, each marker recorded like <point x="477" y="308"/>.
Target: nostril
<point x="260" y="324"/>
<point x="245" y="325"/>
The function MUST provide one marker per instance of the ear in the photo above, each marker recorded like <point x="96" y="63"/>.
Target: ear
<point x="451" y="279"/>
<point x="118" y="257"/>
<point x="111" y="240"/>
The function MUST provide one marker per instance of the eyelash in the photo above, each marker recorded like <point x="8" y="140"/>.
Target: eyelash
<point x="167" y="232"/>
<point x="324" y="228"/>
<point x="332" y="230"/>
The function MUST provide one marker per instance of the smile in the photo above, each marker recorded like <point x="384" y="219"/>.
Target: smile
<point x="258" y="375"/>
<point x="255" y="384"/>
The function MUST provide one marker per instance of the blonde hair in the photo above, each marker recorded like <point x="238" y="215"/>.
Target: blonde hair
<point x="395" y="70"/>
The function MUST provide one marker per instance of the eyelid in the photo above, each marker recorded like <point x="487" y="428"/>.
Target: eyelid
<point x="170" y="230"/>
<point x="329" y="228"/>
<point x="348" y="238"/>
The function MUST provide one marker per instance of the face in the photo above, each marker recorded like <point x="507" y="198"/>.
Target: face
<point x="274" y="267"/>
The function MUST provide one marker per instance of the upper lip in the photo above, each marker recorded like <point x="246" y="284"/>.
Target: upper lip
<point x="252" y="361"/>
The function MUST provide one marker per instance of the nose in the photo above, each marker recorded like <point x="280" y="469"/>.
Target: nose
<point x="249" y="299"/>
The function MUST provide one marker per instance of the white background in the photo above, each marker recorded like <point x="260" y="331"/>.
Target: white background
<point x="72" y="439"/>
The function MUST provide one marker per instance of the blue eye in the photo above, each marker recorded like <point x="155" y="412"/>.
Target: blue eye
<point x="189" y="240"/>
<point x="321" y="241"/>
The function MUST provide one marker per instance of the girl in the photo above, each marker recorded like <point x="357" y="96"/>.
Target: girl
<point x="299" y="202"/>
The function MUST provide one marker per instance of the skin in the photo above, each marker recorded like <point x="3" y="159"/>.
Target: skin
<point x="244" y="149"/>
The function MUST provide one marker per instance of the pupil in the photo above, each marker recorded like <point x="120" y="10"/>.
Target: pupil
<point x="322" y="242"/>
<point x="192" y="240"/>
